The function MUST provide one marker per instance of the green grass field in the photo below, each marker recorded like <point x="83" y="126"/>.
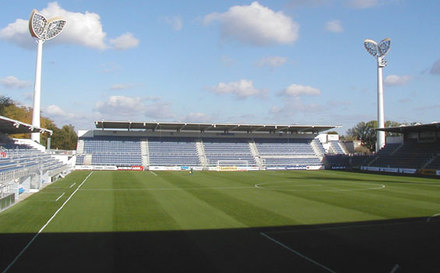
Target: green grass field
<point x="295" y="221"/>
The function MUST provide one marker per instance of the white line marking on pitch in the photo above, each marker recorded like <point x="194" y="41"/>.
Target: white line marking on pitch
<point x="297" y="253"/>
<point x="171" y="189"/>
<point x="395" y="268"/>
<point x="153" y="173"/>
<point x="59" y="197"/>
<point x="43" y="227"/>
<point x="429" y="218"/>
<point x="72" y="185"/>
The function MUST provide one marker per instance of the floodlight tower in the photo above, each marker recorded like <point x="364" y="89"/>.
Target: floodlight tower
<point x="43" y="30"/>
<point x="379" y="51"/>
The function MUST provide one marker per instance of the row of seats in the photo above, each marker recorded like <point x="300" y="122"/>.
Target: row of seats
<point x="408" y="155"/>
<point x="172" y="151"/>
<point x="23" y="156"/>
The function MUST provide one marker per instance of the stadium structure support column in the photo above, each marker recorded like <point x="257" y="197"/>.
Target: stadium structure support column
<point x="43" y="30"/>
<point x="379" y="51"/>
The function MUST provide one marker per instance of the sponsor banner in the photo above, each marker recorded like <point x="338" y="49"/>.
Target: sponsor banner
<point x="389" y="170"/>
<point x="96" y="168"/>
<point x="438" y="172"/>
<point x="275" y="168"/>
<point x="228" y="168"/>
<point x="132" y="168"/>
<point x="368" y="168"/>
<point x="163" y="168"/>
<point x="314" y="168"/>
<point x="428" y="172"/>
<point x="296" y="168"/>
<point x="408" y="171"/>
<point x="185" y="168"/>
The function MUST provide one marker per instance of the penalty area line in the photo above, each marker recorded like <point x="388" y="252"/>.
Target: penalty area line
<point x="297" y="253"/>
<point x="44" y="226"/>
<point x="153" y="173"/>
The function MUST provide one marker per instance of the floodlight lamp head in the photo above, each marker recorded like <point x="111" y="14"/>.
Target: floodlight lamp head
<point x="371" y="47"/>
<point x="384" y="46"/>
<point x="378" y="50"/>
<point x="44" y="29"/>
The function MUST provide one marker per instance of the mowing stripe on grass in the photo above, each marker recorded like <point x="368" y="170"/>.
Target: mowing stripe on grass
<point x="297" y="253"/>
<point x="247" y="210"/>
<point x="44" y="226"/>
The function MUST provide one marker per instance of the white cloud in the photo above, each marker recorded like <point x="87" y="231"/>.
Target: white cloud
<point x="255" y="25"/>
<point x="18" y="33"/>
<point x="83" y="29"/>
<point x="62" y="117"/>
<point x="334" y="26"/>
<point x="159" y="110"/>
<point x="296" y="90"/>
<point x="125" y="41"/>
<point x="121" y="86"/>
<point x="133" y="107"/>
<point x="121" y="105"/>
<point x="175" y="22"/>
<point x="295" y="107"/>
<point x="54" y="110"/>
<point x="198" y="117"/>
<point x="11" y="82"/>
<point x="362" y="4"/>
<point x="241" y="88"/>
<point x="394" y="80"/>
<point x="273" y="61"/>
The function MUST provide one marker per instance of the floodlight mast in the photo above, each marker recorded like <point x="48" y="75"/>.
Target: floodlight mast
<point x="43" y="30"/>
<point x="379" y="51"/>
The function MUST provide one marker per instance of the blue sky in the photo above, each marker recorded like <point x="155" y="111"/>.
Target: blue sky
<point x="220" y="61"/>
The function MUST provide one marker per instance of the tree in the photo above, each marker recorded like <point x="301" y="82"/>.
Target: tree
<point x="5" y="102"/>
<point x="366" y="133"/>
<point x="64" y="138"/>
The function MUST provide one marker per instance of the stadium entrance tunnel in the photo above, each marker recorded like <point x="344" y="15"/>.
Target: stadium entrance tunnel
<point x="403" y="245"/>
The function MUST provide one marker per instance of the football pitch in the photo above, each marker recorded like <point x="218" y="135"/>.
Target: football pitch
<point x="280" y="221"/>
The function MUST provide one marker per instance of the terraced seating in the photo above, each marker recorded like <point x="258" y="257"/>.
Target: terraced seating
<point x="227" y="149"/>
<point x="114" y="151"/>
<point x="173" y="152"/>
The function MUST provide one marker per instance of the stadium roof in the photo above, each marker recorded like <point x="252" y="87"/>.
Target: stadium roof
<point x="209" y="127"/>
<point x="10" y="126"/>
<point x="432" y="127"/>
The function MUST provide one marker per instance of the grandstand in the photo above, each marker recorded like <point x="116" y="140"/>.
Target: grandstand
<point x="25" y="166"/>
<point x="174" y="146"/>
<point x="418" y="151"/>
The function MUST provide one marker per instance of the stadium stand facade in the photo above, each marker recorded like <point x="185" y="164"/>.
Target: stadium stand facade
<point x="25" y="166"/>
<point x="176" y="146"/>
